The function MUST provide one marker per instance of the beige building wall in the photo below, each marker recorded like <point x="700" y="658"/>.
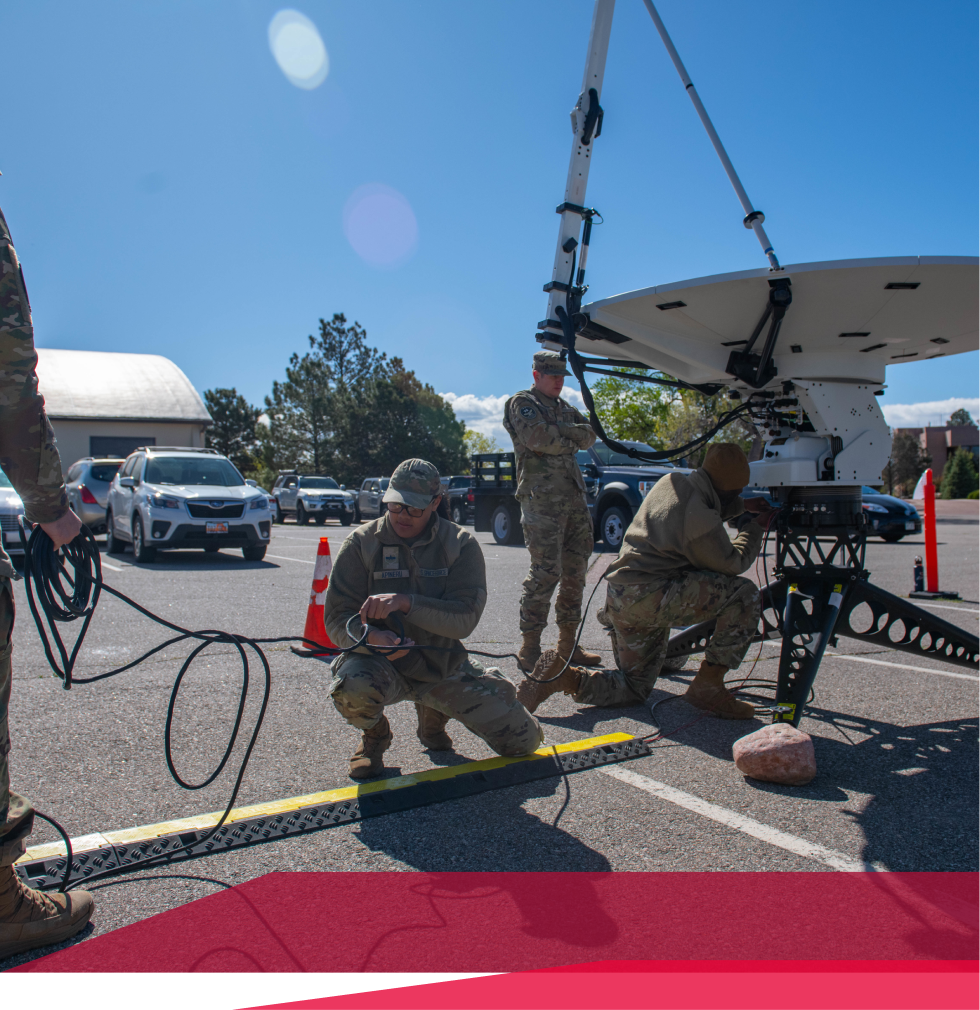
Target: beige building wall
<point x="73" y="434"/>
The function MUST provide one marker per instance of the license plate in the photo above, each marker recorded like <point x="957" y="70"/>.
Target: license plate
<point x="910" y="526"/>
<point x="215" y="527"/>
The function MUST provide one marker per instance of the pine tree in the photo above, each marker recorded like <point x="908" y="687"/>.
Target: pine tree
<point x="909" y="462"/>
<point x="959" y="475"/>
<point x="233" y="429"/>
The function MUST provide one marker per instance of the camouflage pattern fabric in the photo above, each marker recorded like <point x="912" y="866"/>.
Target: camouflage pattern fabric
<point x="550" y="363"/>
<point x="546" y="432"/>
<point x="640" y="618"/>
<point x="560" y="539"/>
<point x="415" y="483"/>
<point x="16" y="813"/>
<point x="483" y="700"/>
<point x="28" y="454"/>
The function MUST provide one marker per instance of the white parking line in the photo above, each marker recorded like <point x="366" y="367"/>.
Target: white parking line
<point x="115" y="568"/>
<point x="944" y="606"/>
<point x="739" y="822"/>
<point x="902" y="666"/>
<point x="279" y="557"/>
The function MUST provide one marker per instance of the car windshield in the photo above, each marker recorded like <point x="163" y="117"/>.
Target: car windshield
<point x="4" y="480"/>
<point x="871" y="490"/>
<point x="384" y="483"/>
<point x="104" y="471"/>
<point x="318" y="482"/>
<point x="609" y="458"/>
<point x="196" y="470"/>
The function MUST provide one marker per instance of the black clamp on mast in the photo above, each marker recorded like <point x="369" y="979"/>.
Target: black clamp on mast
<point x="759" y="370"/>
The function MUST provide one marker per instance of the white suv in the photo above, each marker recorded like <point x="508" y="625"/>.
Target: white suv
<point x="168" y="497"/>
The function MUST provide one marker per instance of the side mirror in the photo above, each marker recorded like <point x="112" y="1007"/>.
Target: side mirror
<point x="127" y="482"/>
<point x="343" y="487"/>
<point x="251" y="483"/>
<point x="590" y="471"/>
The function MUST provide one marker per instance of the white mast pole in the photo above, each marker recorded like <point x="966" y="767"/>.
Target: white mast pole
<point x="584" y="128"/>
<point x="753" y="218"/>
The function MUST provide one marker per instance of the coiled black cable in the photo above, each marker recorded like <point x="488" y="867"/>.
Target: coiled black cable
<point x="65" y="586"/>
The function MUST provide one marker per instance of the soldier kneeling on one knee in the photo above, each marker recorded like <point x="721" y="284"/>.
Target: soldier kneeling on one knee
<point x="676" y="567"/>
<point x="415" y="574"/>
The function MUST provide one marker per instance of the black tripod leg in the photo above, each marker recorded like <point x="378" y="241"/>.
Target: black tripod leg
<point x="805" y="636"/>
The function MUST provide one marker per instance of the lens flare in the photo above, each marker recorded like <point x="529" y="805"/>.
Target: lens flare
<point x="380" y="225"/>
<point x="298" y="49"/>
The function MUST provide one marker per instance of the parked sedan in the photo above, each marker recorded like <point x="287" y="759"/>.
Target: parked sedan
<point x="87" y="483"/>
<point x="890" y="518"/>
<point x="11" y="507"/>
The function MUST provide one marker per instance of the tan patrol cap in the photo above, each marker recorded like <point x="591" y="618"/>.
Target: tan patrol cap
<point x="550" y="363"/>
<point x="727" y="466"/>
<point x="415" y="482"/>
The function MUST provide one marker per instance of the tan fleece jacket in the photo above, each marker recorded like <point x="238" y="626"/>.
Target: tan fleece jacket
<point x="444" y="573"/>
<point x="679" y="527"/>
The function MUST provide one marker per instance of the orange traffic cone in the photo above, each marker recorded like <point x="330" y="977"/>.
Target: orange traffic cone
<point x="314" y="630"/>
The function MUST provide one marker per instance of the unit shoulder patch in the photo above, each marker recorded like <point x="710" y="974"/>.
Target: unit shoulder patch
<point x="528" y="412"/>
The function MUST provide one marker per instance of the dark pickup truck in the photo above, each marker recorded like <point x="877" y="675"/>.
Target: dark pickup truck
<point x="615" y="485"/>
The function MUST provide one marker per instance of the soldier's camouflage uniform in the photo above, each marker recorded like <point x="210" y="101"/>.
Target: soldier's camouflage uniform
<point x="555" y="518"/>
<point x="443" y="571"/>
<point x="29" y="457"/>
<point x="676" y="567"/>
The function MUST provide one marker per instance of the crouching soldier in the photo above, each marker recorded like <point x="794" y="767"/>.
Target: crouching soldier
<point x="415" y="574"/>
<point x="676" y="567"/>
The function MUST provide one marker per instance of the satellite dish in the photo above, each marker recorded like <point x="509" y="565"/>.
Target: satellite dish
<point x="847" y="321"/>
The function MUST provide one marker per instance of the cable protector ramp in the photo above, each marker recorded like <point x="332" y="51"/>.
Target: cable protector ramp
<point x="119" y="851"/>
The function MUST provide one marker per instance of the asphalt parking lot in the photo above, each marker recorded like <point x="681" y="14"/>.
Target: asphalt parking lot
<point x="895" y="737"/>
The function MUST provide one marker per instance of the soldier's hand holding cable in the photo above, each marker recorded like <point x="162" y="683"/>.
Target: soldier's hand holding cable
<point x="377" y="636"/>
<point x="62" y="531"/>
<point x="762" y="510"/>
<point x="377" y="608"/>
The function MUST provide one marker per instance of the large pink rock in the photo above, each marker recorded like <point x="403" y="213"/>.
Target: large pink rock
<point x="777" y="753"/>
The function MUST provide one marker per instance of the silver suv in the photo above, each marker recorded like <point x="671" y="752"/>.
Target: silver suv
<point x="87" y="482"/>
<point x="168" y="497"/>
<point x="312" y="496"/>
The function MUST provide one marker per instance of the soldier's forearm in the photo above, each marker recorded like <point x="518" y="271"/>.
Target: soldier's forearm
<point x="29" y="457"/>
<point x="447" y="618"/>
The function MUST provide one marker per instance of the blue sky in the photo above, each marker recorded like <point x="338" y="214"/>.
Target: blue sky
<point x="171" y="191"/>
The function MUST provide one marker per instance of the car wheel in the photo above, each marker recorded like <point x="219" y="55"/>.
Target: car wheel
<point x="143" y="554"/>
<point x="892" y="538"/>
<point x="357" y="515"/>
<point x="505" y="527"/>
<point x="613" y="526"/>
<point x="346" y="518"/>
<point x="279" y="517"/>
<point x="457" y="515"/>
<point x="301" y="517"/>
<point x="320" y="520"/>
<point x="113" y="544"/>
<point x="256" y="553"/>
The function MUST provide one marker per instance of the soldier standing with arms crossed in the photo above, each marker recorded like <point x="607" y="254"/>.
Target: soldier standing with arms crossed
<point x="547" y="431"/>
<point x="29" y="457"/>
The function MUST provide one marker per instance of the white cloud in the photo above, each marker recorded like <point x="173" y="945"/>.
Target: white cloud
<point x="935" y="412"/>
<point x="485" y="414"/>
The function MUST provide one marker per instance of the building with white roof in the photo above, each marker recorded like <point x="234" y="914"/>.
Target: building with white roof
<point x="104" y="403"/>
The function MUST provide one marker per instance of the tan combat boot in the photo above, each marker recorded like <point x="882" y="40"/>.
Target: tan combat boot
<point x="432" y="728"/>
<point x="30" y="919"/>
<point x="531" y="693"/>
<point x="530" y="651"/>
<point x="708" y="692"/>
<point x="566" y="639"/>
<point x="366" y="763"/>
